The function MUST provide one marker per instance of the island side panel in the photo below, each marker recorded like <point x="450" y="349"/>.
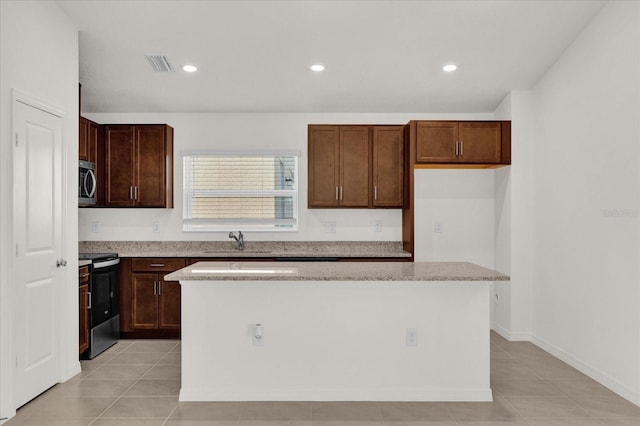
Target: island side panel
<point x="335" y="341"/>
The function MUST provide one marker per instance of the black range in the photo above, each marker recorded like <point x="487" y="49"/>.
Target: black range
<point x="104" y="318"/>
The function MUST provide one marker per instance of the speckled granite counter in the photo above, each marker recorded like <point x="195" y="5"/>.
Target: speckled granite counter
<point x="336" y="271"/>
<point x="83" y="262"/>
<point x="253" y="249"/>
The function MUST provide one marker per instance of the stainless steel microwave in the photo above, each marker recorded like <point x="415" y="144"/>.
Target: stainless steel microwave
<point x="87" y="184"/>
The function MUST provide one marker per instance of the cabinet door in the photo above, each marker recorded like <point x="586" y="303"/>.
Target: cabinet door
<point x="436" y="142"/>
<point x="150" y="168"/>
<point x="144" y="301"/>
<point x="388" y="166"/>
<point x="83" y="140"/>
<point x="324" y="166"/>
<point x="83" y="336"/>
<point x="119" y="162"/>
<point x="169" y="305"/>
<point x="96" y="155"/>
<point x="153" y="264"/>
<point x="479" y="142"/>
<point x="354" y="166"/>
<point x="92" y="142"/>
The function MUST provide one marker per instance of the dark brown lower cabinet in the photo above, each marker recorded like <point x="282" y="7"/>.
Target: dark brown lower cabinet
<point x="168" y="310"/>
<point x="155" y="303"/>
<point x="149" y="305"/>
<point x="83" y="303"/>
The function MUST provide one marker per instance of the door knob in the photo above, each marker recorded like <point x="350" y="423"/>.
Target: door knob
<point x="61" y="262"/>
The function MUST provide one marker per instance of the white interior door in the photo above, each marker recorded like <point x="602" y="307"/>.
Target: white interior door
<point x="37" y="196"/>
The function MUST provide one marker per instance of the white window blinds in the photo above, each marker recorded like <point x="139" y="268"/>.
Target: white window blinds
<point x="244" y="191"/>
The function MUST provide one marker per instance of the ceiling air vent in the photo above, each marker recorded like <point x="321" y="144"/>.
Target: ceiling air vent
<point x="160" y="63"/>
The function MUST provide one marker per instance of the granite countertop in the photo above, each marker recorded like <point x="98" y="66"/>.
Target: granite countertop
<point x="82" y="262"/>
<point x="253" y="249"/>
<point x="336" y="271"/>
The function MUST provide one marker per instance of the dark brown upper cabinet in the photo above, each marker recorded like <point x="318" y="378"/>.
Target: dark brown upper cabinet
<point x="139" y="165"/>
<point x="357" y="166"/>
<point x="460" y="142"/>
<point x="388" y="166"/>
<point x="338" y="166"/>
<point x="91" y="148"/>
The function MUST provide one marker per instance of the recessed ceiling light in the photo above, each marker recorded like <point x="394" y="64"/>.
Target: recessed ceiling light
<point x="190" y="68"/>
<point x="317" y="67"/>
<point x="449" y="68"/>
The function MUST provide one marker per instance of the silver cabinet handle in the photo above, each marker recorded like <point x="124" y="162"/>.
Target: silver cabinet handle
<point x="340" y="193"/>
<point x="84" y="275"/>
<point x="135" y="192"/>
<point x="461" y="148"/>
<point x="159" y="288"/>
<point x="336" y="193"/>
<point x="131" y="192"/>
<point x="157" y="265"/>
<point x="375" y="193"/>
<point x="88" y="300"/>
<point x="456" y="148"/>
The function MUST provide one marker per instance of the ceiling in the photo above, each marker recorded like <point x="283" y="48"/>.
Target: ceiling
<point x="380" y="56"/>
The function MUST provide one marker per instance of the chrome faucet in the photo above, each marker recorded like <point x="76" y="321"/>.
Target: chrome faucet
<point x="239" y="239"/>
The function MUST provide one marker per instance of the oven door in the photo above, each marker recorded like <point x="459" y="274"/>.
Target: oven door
<point x="104" y="291"/>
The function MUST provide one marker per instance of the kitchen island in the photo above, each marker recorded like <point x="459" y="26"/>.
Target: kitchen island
<point x="334" y="331"/>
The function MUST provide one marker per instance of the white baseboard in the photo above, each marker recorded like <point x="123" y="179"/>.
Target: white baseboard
<point x="72" y="370"/>
<point x="512" y="336"/>
<point x="417" y="395"/>
<point x="589" y="370"/>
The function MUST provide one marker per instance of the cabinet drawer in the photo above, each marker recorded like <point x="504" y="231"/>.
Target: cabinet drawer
<point x="84" y="275"/>
<point x="151" y="264"/>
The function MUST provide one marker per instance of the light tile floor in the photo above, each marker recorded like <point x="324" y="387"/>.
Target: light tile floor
<point x="136" y="383"/>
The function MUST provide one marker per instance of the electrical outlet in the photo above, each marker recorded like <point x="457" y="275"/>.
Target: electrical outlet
<point x="412" y="337"/>
<point x="437" y="228"/>
<point x="258" y="335"/>
<point x="377" y="226"/>
<point x="95" y="227"/>
<point x="155" y="226"/>
<point x="329" y="227"/>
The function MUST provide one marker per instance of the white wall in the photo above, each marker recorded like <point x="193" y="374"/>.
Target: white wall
<point x="514" y="222"/>
<point x="38" y="57"/>
<point x="241" y="132"/>
<point x="586" y="299"/>
<point x="461" y="203"/>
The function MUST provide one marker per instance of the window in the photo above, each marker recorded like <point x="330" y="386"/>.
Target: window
<point x="251" y="191"/>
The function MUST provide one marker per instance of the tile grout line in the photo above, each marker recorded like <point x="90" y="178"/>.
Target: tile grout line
<point x="89" y="376"/>
<point x="453" y="418"/>
<point x="132" y="385"/>
<point x="178" y="403"/>
<point x="170" y="414"/>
